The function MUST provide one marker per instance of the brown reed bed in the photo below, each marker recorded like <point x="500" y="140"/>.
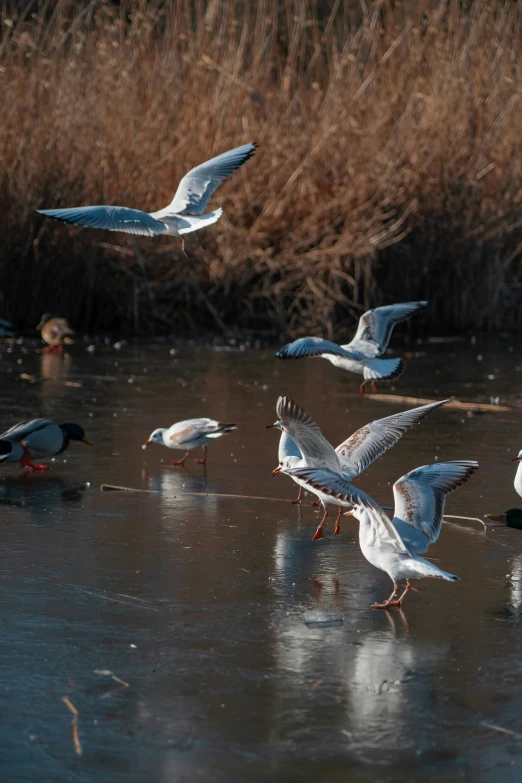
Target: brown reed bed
<point x="389" y="166"/>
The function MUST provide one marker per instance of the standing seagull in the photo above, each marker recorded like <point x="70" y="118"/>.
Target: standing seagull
<point x="188" y="435"/>
<point x="395" y="546"/>
<point x="305" y="445"/>
<point x="360" y="355"/>
<point x="181" y="215"/>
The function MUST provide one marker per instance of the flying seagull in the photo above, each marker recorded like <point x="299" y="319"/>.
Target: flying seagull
<point x="360" y="356"/>
<point x="182" y="216"/>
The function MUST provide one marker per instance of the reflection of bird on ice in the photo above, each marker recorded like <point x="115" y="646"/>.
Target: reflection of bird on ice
<point x="175" y="486"/>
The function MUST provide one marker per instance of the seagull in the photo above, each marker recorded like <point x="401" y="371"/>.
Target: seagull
<point x="188" y="435"/>
<point x="360" y="355"/>
<point x="304" y="445"/>
<point x="40" y="438"/>
<point x="183" y="215"/>
<point x="55" y="332"/>
<point x="518" y="474"/>
<point x="395" y="546"/>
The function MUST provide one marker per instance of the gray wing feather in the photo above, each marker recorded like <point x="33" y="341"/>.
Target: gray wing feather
<point x="420" y="495"/>
<point x="130" y="221"/>
<point x="311" y="442"/>
<point x="340" y="489"/>
<point x="358" y="451"/>
<point x="375" y="327"/>
<point x="196" y="187"/>
<point x="23" y="429"/>
<point x="314" y="346"/>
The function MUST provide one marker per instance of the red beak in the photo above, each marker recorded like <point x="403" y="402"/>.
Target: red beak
<point x="269" y="427"/>
<point x="276" y="471"/>
<point x="147" y="443"/>
<point x="516" y="459"/>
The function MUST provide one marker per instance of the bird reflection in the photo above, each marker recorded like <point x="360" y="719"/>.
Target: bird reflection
<point x="176" y="486"/>
<point x="39" y="493"/>
<point x="515" y="583"/>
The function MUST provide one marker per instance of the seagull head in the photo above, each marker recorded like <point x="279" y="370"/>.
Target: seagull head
<point x="518" y="458"/>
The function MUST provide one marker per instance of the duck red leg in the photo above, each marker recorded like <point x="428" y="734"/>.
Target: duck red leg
<point x="27" y="461"/>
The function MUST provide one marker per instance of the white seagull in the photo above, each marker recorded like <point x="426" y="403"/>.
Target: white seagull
<point x="518" y="474"/>
<point x="395" y="546"/>
<point x="302" y="444"/>
<point x="360" y="355"/>
<point x="188" y="435"/>
<point x="182" y="216"/>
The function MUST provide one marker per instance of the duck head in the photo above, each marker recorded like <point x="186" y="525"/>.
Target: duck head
<point x="75" y="432"/>
<point x="511" y="518"/>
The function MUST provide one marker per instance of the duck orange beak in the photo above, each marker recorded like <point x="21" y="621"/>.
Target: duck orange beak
<point x="147" y="443"/>
<point x="497" y="517"/>
<point x="276" y="471"/>
<point x="516" y="459"/>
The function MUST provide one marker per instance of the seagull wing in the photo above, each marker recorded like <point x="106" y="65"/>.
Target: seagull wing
<point x="196" y="187"/>
<point x="23" y="429"/>
<point x="314" y="346"/>
<point x="315" y="449"/>
<point x="420" y="494"/>
<point x="340" y="489"/>
<point x="375" y="327"/>
<point x="358" y="451"/>
<point x="130" y="221"/>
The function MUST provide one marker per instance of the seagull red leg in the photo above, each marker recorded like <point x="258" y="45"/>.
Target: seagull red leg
<point x="401" y="598"/>
<point x="299" y="496"/>
<point x="319" y="532"/>
<point x="389" y="601"/>
<point x="182" y="460"/>
<point x="362" y="390"/>
<point x="374" y="388"/>
<point x="337" y="528"/>
<point x="204" y="460"/>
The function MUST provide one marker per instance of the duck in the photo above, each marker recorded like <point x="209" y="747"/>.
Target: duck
<point x="395" y="545"/>
<point x="188" y="435"/>
<point x="511" y="518"/>
<point x="56" y="332"/>
<point x="38" y="438"/>
<point x="303" y="444"/>
<point x="360" y="356"/>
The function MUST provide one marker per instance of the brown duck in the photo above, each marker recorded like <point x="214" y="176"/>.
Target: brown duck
<point x="56" y="332"/>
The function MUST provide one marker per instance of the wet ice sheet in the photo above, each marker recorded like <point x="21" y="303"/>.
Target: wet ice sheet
<point x="197" y="601"/>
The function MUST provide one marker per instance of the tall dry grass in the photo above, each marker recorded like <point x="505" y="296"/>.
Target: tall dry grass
<point x="390" y="163"/>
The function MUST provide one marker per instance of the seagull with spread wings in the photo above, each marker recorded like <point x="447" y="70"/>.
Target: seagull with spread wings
<point x="395" y="545"/>
<point x="303" y="444"/>
<point x="360" y="356"/>
<point x="182" y="216"/>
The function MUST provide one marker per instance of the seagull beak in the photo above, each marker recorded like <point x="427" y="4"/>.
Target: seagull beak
<point x="516" y="459"/>
<point x="147" y="443"/>
<point x="270" y="427"/>
<point x="497" y="517"/>
<point x="87" y="442"/>
<point x="276" y="471"/>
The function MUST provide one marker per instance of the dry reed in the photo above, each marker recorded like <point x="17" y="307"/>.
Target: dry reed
<point x="389" y="165"/>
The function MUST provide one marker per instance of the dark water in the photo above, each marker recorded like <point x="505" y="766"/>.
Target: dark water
<point x="197" y="603"/>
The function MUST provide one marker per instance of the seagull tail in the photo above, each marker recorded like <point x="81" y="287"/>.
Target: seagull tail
<point x="196" y="222"/>
<point x="383" y="369"/>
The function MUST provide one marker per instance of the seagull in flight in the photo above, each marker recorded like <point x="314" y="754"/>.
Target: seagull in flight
<point x="360" y="356"/>
<point x="395" y="545"/>
<point x="302" y="444"/>
<point x="183" y="215"/>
